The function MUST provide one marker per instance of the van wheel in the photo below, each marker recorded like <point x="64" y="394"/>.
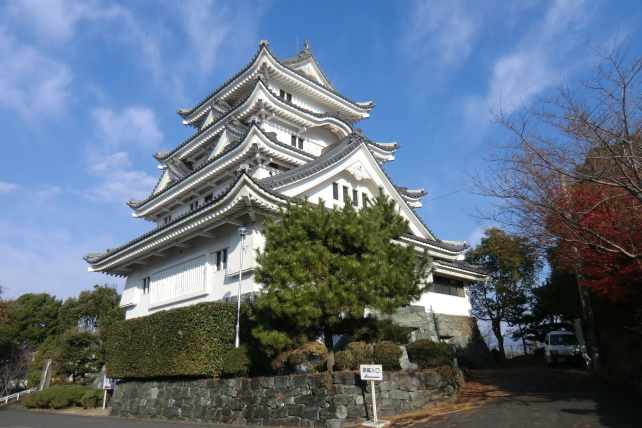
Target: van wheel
<point x="550" y="365"/>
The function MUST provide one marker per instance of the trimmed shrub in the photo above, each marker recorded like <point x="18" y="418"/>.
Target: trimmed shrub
<point x="94" y="398"/>
<point x="361" y="354"/>
<point x="236" y="362"/>
<point x="187" y="341"/>
<point x="313" y="355"/>
<point x="428" y="354"/>
<point x="343" y="360"/>
<point x="387" y="354"/>
<point x="58" y="397"/>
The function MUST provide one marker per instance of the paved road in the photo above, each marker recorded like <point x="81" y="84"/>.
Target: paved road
<point x="539" y="397"/>
<point x="28" y="419"/>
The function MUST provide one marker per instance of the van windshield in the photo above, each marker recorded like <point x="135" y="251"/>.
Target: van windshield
<point x="563" y="339"/>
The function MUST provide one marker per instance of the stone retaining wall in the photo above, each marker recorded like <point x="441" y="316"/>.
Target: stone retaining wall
<point x="320" y="400"/>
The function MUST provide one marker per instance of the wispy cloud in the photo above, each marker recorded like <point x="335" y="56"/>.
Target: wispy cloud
<point x="30" y="82"/>
<point x="117" y="181"/>
<point x="7" y="187"/>
<point x="135" y="125"/>
<point x="441" y="30"/>
<point x="536" y="63"/>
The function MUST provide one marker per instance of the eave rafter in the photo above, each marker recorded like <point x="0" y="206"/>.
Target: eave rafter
<point x="241" y="197"/>
<point x="255" y="142"/>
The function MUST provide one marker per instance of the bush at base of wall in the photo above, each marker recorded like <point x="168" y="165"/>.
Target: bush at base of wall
<point x="59" y="397"/>
<point x="188" y="341"/>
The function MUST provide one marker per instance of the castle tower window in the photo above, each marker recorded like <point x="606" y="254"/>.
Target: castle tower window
<point x="221" y="259"/>
<point x="335" y="191"/>
<point x="168" y="219"/>
<point x="296" y="141"/>
<point x="193" y="205"/>
<point x="355" y="198"/>
<point x="345" y="192"/>
<point x="364" y="200"/>
<point x="144" y="285"/>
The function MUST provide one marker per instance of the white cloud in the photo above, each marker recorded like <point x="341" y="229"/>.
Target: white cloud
<point x="30" y="82"/>
<point x="7" y="187"/>
<point x="443" y="28"/>
<point x="118" y="182"/>
<point x="475" y="238"/>
<point x="535" y="64"/>
<point x="133" y="125"/>
<point x="48" y="192"/>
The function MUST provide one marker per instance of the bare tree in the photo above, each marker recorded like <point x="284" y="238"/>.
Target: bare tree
<point x="588" y="134"/>
<point x="13" y="369"/>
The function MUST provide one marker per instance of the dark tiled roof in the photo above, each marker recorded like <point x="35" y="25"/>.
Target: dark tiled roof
<point x="303" y="56"/>
<point x="229" y="115"/>
<point x="185" y="112"/>
<point x="342" y="149"/>
<point x="96" y="257"/>
<point x="463" y="266"/>
<point x="269" y="135"/>
<point x="437" y="243"/>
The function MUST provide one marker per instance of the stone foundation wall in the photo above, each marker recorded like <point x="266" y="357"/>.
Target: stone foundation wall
<point x="460" y="331"/>
<point x="321" y="400"/>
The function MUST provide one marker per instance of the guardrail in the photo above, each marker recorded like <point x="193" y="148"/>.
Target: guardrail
<point x="16" y="396"/>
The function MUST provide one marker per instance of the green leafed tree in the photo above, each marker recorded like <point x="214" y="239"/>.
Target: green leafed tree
<point x="35" y="317"/>
<point x="322" y="269"/>
<point x="92" y="309"/>
<point x="512" y="267"/>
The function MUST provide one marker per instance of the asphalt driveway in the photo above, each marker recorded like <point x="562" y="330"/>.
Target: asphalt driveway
<point x="535" y="397"/>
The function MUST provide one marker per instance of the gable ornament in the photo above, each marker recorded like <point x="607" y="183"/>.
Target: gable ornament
<point x="358" y="171"/>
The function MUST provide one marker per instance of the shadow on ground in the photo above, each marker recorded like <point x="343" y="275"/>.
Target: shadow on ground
<point x="534" y="396"/>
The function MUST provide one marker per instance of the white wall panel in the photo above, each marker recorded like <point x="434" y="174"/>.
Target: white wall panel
<point x="181" y="280"/>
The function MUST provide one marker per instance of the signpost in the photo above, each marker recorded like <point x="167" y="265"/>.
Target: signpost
<point x="108" y="385"/>
<point x="373" y="372"/>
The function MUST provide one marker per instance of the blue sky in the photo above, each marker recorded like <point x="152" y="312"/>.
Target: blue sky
<point x="89" y="90"/>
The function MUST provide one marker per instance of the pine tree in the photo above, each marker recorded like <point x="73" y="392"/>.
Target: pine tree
<point x="323" y="269"/>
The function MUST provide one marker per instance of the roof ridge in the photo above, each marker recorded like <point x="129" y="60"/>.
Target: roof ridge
<point x="96" y="257"/>
<point x="229" y="148"/>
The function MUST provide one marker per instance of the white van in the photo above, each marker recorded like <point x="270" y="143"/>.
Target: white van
<point x="562" y="347"/>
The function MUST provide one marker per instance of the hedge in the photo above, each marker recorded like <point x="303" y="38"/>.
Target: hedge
<point x="387" y="354"/>
<point x="59" y="397"/>
<point x="428" y="354"/>
<point x="186" y="341"/>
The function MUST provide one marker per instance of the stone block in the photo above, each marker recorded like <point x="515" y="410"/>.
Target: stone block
<point x="343" y="400"/>
<point x="305" y="399"/>
<point x="282" y="382"/>
<point x="344" y="378"/>
<point x="199" y="412"/>
<point x="293" y="421"/>
<point x="399" y="395"/>
<point x="389" y="404"/>
<point x="320" y="381"/>
<point x="262" y="412"/>
<point x="276" y="422"/>
<point x="266" y="382"/>
<point x="280" y="412"/>
<point x="356" y="411"/>
<point x="300" y="381"/>
<point x="296" y="409"/>
<point x="352" y="389"/>
<point x="334" y="423"/>
<point x="311" y="412"/>
<point x="291" y="392"/>
<point x="406" y="381"/>
<point x="387" y="385"/>
<point x="358" y="399"/>
<point x="254" y="421"/>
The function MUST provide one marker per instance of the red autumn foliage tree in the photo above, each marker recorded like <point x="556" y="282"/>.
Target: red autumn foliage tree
<point x="606" y="218"/>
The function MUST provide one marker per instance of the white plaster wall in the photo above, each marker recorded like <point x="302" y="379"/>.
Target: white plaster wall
<point x="444" y="303"/>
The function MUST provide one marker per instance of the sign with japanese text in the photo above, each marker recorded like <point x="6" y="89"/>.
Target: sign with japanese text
<point x="109" y="383"/>
<point x="371" y="371"/>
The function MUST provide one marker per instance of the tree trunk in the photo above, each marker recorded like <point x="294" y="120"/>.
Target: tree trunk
<point x="329" y="344"/>
<point x="587" y="311"/>
<point x="497" y="329"/>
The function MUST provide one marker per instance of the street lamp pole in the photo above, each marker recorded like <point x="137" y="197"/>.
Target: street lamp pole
<point x="242" y="232"/>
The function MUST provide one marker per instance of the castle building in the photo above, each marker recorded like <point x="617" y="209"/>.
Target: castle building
<point x="276" y="130"/>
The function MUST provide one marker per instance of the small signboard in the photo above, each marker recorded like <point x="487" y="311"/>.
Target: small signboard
<point x="109" y="384"/>
<point x="371" y="371"/>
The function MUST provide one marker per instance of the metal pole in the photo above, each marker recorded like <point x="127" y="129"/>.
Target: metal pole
<point x="104" y="399"/>
<point x="238" y="305"/>
<point x="374" y="403"/>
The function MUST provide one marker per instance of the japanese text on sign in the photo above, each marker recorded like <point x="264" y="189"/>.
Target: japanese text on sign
<point x="109" y="384"/>
<point x="371" y="372"/>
